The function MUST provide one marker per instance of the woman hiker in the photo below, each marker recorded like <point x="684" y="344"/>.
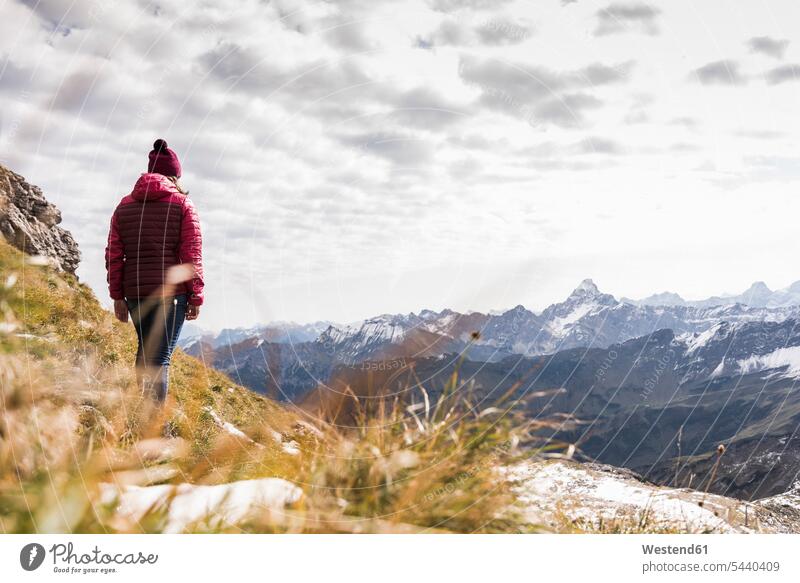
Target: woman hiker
<point x="155" y="266"/>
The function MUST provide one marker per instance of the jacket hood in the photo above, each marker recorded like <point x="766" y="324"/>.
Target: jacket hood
<point x="153" y="187"/>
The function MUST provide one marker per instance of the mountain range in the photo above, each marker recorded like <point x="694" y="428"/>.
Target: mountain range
<point x="280" y="332"/>
<point x="757" y="295"/>
<point x="651" y="388"/>
<point x="587" y="317"/>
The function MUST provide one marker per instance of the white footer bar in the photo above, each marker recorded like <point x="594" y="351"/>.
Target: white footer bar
<point x="401" y="558"/>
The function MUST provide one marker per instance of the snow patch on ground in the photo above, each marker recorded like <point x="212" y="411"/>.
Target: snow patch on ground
<point x="551" y="489"/>
<point x="290" y="447"/>
<point x="227" y="427"/>
<point x="185" y="505"/>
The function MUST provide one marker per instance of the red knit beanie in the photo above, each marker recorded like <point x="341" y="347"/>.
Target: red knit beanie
<point x="163" y="160"/>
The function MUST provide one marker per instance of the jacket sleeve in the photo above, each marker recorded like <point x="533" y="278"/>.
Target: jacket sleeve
<point x="191" y="251"/>
<point x="115" y="260"/>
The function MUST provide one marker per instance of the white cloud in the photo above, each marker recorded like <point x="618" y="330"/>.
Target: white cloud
<point x="620" y="17"/>
<point x="344" y="168"/>
<point x="725" y="72"/>
<point x="783" y="74"/>
<point x="768" y="46"/>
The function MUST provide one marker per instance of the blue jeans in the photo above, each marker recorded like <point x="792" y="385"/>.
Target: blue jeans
<point x="158" y="323"/>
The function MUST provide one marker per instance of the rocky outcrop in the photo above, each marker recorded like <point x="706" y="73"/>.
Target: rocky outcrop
<point x="30" y="223"/>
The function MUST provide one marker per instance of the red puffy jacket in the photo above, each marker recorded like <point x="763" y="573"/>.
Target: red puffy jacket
<point x="154" y="228"/>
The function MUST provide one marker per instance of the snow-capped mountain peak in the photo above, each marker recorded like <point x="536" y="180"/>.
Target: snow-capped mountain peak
<point x="759" y="287"/>
<point x="428" y="314"/>
<point x="661" y="299"/>
<point x="587" y="293"/>
<point x="586" y="288"/>
<point x="757" y="294"/>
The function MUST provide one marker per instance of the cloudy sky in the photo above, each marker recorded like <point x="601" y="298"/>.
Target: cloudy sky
<point x="356" y="157"/>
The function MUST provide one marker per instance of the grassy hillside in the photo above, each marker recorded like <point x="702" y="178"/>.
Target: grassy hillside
<point x="49" y="315"/>
<point x="71" y="410"/>
<point x="71" y="420"/>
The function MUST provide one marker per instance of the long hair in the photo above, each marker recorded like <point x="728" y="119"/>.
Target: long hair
<point x="177" y="184"/>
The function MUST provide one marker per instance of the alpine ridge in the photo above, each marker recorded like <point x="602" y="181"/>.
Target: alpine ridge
<point x="758" y="295"/>
<point x="587" y="318"/>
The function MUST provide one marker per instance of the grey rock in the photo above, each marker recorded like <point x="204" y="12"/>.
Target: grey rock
<point x="30" y="223"/>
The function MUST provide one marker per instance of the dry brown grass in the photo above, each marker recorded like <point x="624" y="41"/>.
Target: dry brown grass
<point x="70" y="409"/>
